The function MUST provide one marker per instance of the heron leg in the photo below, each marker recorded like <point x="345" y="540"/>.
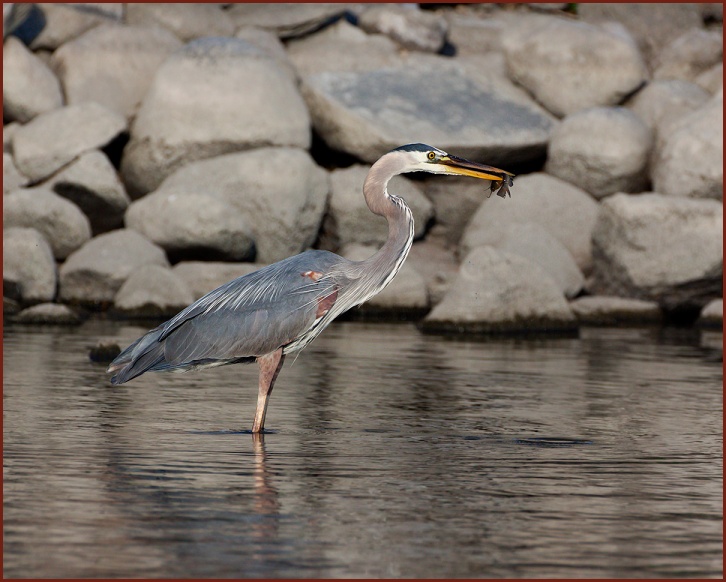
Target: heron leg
<point x="270" y="365"/>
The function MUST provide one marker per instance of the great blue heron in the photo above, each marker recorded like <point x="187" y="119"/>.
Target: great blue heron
<point x="281" y="308"/>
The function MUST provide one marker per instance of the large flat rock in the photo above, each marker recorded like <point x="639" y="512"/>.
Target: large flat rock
<point x="368" y="113"/>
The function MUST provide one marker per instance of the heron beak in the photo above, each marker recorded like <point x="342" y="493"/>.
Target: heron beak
<point x="501" y="179"/>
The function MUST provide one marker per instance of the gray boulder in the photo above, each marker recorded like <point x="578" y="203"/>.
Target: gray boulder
<point x="188" y="225"/>
<point x="280" y="191"/>
<point x="688" y="160"/>
<point x="12" y="178"/>
<point x="690" y="54"/>
<point x="64" y="22"/>
<point x="61" y="222"/>
<point x="534" y="242"/>
<point x="672" y="252"/>
<point x="712" y="314"/>
<point x="29" y="86"/>
<point x="407" y="24"/>
<point x="48" y="314"/>
<point x="540" y="53"/>
<point x="500" y="292"/>
<point x="286" y="20"/>
<point x="236" y="97"/>
<point x="602" y="150"/>
<point x="125" y="58"/>
<point x="342" y="47"/>
<point x="204" y="276"/>
<point x="371" y="112"/>
<point x="566" y="211"/>
<point x="652" y="25"/>
<point x="663" y="102"/>
<point x="29" y="271"/>
<point x="152" y="291"/>
<point x="186" y="21"/>
<point x="603" y="310"/>
<point x="53" y="139"/>
<point x="92" y="184"/>
<point x="349" y="220"/>
<point x="406" y="296"/>
<point x="95" y="272"/>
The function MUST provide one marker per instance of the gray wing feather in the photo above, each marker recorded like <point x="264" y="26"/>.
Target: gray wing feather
<point x="247" y="317"/>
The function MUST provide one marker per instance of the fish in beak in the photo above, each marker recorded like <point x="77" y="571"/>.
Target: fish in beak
<point x="501" y="180"/>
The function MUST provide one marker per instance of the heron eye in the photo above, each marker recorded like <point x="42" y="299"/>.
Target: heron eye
<point x="431" y="156"/>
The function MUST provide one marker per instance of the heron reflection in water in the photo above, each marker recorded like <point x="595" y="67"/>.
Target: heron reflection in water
<point x="281" y="308"/>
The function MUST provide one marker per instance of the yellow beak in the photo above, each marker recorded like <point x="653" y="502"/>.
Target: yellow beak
<point x="500" y="179"/>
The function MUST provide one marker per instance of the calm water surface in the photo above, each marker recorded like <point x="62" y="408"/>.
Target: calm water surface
<point x="391" y="454"/>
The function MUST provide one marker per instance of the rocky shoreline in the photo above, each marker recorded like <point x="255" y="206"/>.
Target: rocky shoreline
<point x="154" y="152"/>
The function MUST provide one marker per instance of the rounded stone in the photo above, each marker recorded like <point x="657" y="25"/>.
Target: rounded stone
<point x="500" y="292"/>
<point x="62" y="223"/>
<point x="236" y="97"/>
<point x="602" y="150"/>
<point x="152" y="291"/>
<point x="29" y="270"/>
<point x="113" y="65"/>
<point x="29" y="86"/>
<point x="188" y="225"/>
<point x="672" y="253"/>
<point x="95" y="272"/>
<point x="566" y="211"/>
<point x="571" y="65"/>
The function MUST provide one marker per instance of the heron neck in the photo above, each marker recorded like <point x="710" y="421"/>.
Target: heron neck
<point x="390" y="257"/>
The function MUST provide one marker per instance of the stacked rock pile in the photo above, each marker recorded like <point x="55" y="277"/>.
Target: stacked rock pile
<point x="152" y="152"/>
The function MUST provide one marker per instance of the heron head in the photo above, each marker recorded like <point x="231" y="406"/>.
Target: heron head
<point x="419" y="157"/>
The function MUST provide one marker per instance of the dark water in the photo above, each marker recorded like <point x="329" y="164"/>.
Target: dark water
<point x="393" y="454"/>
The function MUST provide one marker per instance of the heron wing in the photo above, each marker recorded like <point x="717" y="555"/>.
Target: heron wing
<point x="254" y="314"/>
<point x="247" y="317"/>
